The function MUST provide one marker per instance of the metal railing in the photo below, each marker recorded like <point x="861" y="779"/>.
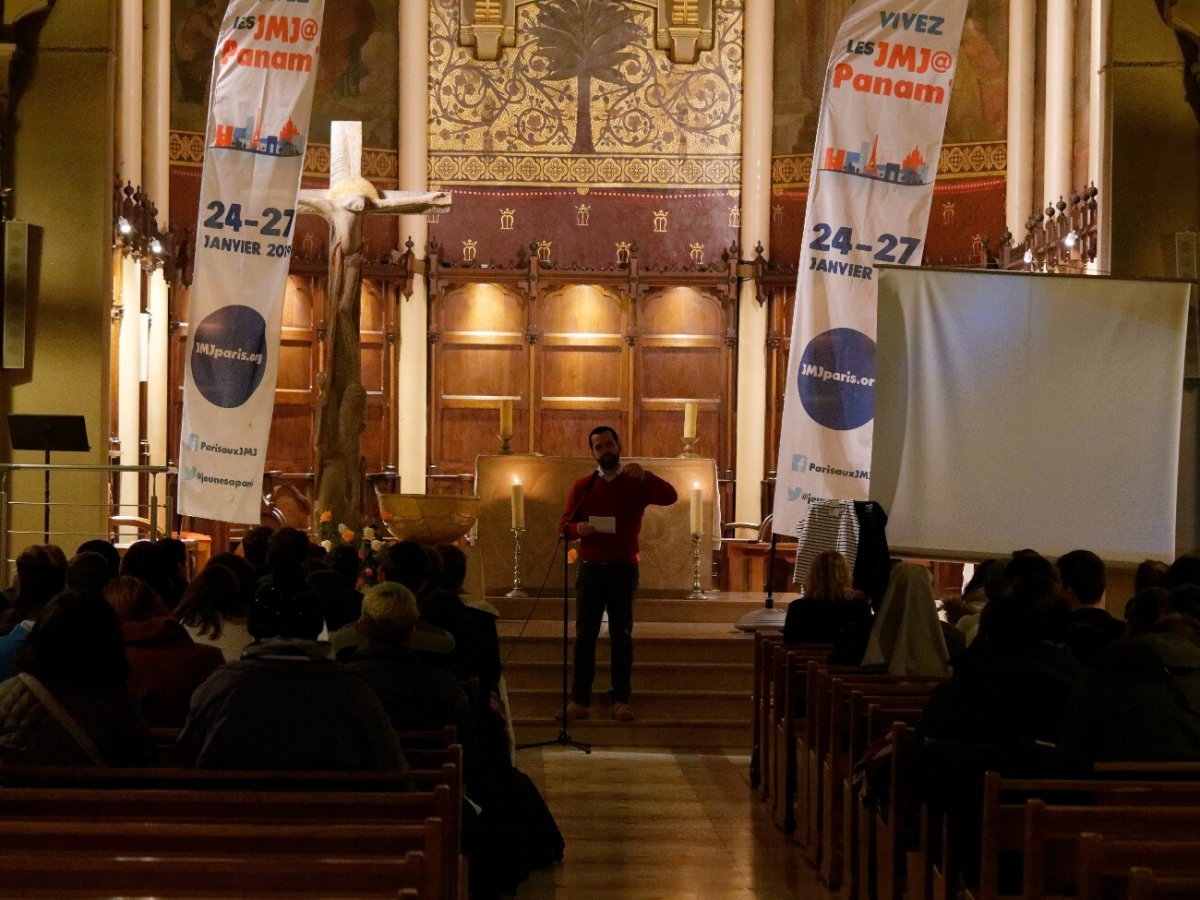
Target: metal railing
<point x="115" y="517"/>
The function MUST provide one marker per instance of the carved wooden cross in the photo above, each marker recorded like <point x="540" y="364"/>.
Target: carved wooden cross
<point x="342" y="400"/>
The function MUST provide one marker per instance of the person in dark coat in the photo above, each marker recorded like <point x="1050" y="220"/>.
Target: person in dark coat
<point x="1091" y="628"/>
<point x="829" y="604"/>
<point x="285" y="705"/>
<point x="70" y="704"/>
<point x="416" y="695"/>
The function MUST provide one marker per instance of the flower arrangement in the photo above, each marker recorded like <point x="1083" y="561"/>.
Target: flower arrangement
<point x="366" y="542"/>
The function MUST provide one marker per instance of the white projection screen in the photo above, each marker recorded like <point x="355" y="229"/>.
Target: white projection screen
<point x="1017" y="410"/>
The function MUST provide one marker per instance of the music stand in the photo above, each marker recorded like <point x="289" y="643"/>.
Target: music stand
<point x="47" y="433"/>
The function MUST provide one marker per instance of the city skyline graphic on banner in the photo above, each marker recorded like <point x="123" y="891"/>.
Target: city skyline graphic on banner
<point x="248" y="138"/>
<point x="864" y="162"/>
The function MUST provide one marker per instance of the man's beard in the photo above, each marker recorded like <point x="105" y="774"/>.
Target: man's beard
<point x="609" y="461"/>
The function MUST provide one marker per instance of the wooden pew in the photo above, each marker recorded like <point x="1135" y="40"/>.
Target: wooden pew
<point x="246" y="807"/>
<point x="41" y="840"/>
<point x="1105" y="864"/>
<point x="1003" y="820"/>
<point x="77" y="874"/>
<point x="763" y="641"/>
<point x="818" y="739"/>
<point x="875" y="718"/>
<point x="789" y="672"/>
<point x="849" y="702"/>
<point x="1146" y="884"/>
<point x="1050" y="841"/>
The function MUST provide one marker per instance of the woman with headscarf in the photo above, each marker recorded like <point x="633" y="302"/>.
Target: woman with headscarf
<point x="906" y="638"/>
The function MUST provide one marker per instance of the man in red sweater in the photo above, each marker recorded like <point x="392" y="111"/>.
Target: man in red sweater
<point x="604" y="513"/>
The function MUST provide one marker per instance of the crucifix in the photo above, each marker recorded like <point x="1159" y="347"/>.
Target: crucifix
<point x="341" y="398"/>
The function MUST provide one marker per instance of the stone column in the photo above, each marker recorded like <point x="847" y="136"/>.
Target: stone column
<point x="156" y="112"/>
<point x="412" y="389"/>
<point x="1060" y="75"/>
<point x="756" y="228"/>
<point x="1022" y="44"/>
<point x="129" y="168"/>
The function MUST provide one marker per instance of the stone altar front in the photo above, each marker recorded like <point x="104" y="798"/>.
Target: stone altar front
<point x="666" y="541"/>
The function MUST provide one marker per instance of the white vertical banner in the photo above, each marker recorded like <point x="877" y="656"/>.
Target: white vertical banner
<point x="883" y="114"/>
<point x="264" y="73"/>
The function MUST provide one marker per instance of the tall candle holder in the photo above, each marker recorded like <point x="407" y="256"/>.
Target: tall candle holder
<point x="697" y="592"/>
<point x="689" y="444"/>
<point x="516" y="588"/>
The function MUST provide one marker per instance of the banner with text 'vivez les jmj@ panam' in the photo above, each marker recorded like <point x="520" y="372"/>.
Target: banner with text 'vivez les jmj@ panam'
<point x="883" y="113"/>
<point x="263" y="76"/>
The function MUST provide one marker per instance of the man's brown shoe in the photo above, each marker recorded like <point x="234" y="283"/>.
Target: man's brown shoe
<point x="622" y="712"/>
<point x="576" y="711"/>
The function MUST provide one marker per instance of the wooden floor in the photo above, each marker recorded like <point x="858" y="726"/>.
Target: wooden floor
<point x="655" y="824"/>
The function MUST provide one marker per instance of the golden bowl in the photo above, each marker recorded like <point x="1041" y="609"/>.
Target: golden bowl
<point x="428" y="518"/>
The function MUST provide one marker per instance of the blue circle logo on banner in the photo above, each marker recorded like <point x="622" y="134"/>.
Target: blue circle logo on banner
<point x="837" y="379"/>
<point x="229" y="355"/>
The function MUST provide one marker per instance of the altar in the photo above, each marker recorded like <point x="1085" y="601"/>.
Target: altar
<point x="666" y="539"/>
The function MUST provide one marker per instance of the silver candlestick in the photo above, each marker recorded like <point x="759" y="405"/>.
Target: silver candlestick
<point x="697" y="593"/>
<point x="516" y="588"/>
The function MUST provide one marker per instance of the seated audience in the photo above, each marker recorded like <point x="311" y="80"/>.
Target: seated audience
<point x="39" y="579"/>
<point x="284" y="705"/>
<point x="907" y="637"/>
<point x="336" y="586"/>
<point x="1091" y="628"/>
<point x="105" y="549"/>
<point x="417" y="696"/>
<point x="829" y="603"/>
<point x="254" y="548"/>
<point x="70" y="704"/>
<point x="173" y="559"/>
<point x="165" y="666"/>
<point x="406" y="563"/>
<point x="1144" y="609"/>
<point x="1185" y="570"/>
<point x="1142" y="701"/>
<point x="213" y="610"/>
<point x="88" y="573"/>
<point x="476" y="651"/>
<point x="1151" y="573"/>
<point x="146" y="560"/>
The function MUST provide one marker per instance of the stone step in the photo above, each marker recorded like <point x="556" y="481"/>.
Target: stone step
<point x="724" y="608"/>
<point x="640" y="733"/>
<point x="652" y="676"/>
<point x="645" y="650"/>
<point x="732" y="707"/>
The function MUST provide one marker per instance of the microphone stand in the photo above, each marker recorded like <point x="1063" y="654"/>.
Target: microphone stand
<point x="564" y="738"/>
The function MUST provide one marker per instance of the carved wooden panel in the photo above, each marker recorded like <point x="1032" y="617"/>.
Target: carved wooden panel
<point x="479" y="356"/>
<point x="781" y="308"/>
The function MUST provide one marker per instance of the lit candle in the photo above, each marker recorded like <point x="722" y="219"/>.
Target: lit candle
<point x="518" y="503"/>
<point x="697" y="509"/>
<point x="689" y="420"/>
<point x="506" y="428"/>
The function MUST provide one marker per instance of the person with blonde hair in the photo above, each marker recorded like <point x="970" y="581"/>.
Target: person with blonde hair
<point x="829" y="604"/>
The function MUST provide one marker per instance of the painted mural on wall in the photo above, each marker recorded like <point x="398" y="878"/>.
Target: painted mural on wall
<point x="585" y="143"/>
<point x="356" y="76"/>
<point x="974" y="158"/>
<point x="585" y="98"/>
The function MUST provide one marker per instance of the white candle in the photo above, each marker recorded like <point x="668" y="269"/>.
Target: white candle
<point x="697" y="509"/>
<point x="689" y="419"/>
<point x="518" y="504"/>
<point x="506" y="419"/>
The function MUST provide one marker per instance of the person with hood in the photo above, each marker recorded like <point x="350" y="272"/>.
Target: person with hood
<point x="285" y="705"/>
